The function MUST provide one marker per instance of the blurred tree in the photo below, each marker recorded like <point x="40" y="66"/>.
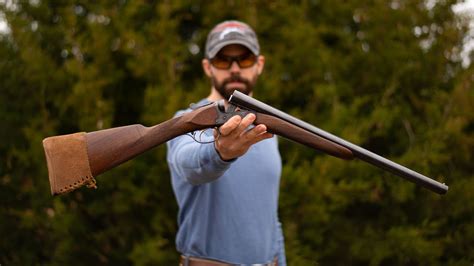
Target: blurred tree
<point x="383" y="74"/>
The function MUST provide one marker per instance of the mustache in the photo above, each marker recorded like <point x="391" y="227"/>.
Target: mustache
<point x="235" y="79"/>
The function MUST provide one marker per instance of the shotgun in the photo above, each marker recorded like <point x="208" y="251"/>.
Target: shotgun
<point x="75" y="160"/>
<point x="241" y="100"/>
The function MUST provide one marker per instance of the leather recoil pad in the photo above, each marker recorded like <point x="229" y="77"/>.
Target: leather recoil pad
<point x="68" y="162"/>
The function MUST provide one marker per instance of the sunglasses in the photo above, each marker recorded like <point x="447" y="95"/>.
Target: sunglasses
<point x="224" y="62"/>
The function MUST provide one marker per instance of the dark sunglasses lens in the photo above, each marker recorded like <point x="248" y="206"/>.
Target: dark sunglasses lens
<point x="225" y="63"/>
<point x="220" y="63"/>
<point x="247" y="61"/>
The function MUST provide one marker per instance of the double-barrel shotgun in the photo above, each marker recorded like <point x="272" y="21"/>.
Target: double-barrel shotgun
<point x="76" y="159"/>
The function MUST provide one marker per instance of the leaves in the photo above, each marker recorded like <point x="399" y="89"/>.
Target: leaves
<point x="383" y="75"/>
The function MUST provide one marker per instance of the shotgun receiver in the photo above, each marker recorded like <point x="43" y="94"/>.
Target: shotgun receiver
<point x="246" y="102"/>
<point x="74" y="160"/>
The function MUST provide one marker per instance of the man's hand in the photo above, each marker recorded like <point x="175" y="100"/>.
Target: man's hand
<point x="235" y="139"/>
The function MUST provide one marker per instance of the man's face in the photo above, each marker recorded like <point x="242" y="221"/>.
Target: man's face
<point x="242" y="78"/>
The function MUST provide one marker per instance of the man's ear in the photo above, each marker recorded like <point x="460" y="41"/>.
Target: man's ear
<point x="260" y="64"/>
<point x="206" y="66"/>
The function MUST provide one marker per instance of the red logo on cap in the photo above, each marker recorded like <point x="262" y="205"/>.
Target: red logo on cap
<point x="230" y="25"/>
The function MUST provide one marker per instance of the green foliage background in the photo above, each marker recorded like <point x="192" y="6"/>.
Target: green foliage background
<point x="384" y="75"/>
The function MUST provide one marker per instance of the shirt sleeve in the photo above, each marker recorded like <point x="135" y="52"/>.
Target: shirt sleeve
<point x="196" y="162"/>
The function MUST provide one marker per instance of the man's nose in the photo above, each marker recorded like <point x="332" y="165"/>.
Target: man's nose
<point x="234" y="67"/>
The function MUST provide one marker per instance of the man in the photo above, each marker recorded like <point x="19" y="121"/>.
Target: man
<point x="227" y="191"/>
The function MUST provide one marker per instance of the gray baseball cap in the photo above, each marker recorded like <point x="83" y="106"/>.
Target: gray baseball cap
<point x="231" y="32"/>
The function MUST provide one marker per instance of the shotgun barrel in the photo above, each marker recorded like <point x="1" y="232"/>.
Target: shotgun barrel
<point x="244" y="101"/>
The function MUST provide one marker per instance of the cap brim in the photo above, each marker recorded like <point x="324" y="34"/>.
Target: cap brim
<point x="221" y="45"/>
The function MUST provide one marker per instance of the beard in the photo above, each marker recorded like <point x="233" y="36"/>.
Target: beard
<point x="226" y="91"/>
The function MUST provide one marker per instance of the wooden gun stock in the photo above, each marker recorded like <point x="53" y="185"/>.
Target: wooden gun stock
<point x="75" y="159"/>
<point x="111" y="147"/>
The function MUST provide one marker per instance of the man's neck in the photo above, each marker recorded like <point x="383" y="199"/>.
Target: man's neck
<point x="215" y="96"/>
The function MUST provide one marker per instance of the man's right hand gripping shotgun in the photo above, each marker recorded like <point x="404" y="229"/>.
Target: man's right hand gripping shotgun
<point x="76" y="159"/>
